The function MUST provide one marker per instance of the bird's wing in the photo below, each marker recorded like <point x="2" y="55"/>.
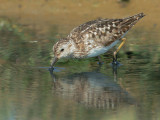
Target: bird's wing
<point x="104" y="31"/>
<point x="86" y="26"/>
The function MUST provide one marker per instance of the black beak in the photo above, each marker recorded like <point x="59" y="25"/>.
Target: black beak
<point x="55" y="59"/>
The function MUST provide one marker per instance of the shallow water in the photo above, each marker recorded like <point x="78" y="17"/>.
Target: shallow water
<point x="79" y="89"/>
<point x="76" y="89"/>
<point x="98" y="93"/>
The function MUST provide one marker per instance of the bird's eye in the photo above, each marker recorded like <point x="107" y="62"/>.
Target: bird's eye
<point x="62" y="50"/>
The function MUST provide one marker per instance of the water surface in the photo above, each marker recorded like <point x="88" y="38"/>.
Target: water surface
<point x="77" y="89"/>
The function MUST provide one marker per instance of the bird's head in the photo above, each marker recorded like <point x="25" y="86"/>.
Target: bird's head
<point x="62" y="49"/>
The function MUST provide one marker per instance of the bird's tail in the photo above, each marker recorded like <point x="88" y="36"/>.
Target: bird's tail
<point x="137" y="16"/>
<point x="132" y="20"/>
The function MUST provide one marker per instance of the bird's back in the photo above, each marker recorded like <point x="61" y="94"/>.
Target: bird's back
<point x="102" y="32"/>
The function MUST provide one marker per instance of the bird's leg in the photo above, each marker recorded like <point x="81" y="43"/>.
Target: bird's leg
<point x="115" y="53"/>
<point x="100" y="61"/>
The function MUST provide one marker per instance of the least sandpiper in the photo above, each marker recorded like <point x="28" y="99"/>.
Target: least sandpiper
<point x="94" y="38"/>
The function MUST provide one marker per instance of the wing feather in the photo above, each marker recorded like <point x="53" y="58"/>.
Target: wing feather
<point x="104" y="31"/>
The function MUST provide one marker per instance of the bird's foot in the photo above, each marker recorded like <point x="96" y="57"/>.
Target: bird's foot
<point x="100" y="63"/>
<point x="51" y="69"/>
<point x="115" y="63"/>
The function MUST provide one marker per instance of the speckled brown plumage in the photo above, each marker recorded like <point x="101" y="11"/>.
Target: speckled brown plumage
<point x="92" y="38"/>
<point x="111" y="29"/>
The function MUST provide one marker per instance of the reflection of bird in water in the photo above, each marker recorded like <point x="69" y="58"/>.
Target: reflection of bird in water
<point x="91" y="89"/>
<point x="94" y="38"/>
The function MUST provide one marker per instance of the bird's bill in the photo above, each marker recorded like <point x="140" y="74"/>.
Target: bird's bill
<point x="55" y="59"/>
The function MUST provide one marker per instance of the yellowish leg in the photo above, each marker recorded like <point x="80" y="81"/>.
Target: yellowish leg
<point x="120" y="46"/>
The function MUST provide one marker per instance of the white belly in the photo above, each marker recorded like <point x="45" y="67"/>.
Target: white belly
<point x="100" y="50"/>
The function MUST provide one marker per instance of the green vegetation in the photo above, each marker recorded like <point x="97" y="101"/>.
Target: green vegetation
<point x="17" y="45"/>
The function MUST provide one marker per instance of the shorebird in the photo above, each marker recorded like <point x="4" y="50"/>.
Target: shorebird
<point x="94" y="38"/>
